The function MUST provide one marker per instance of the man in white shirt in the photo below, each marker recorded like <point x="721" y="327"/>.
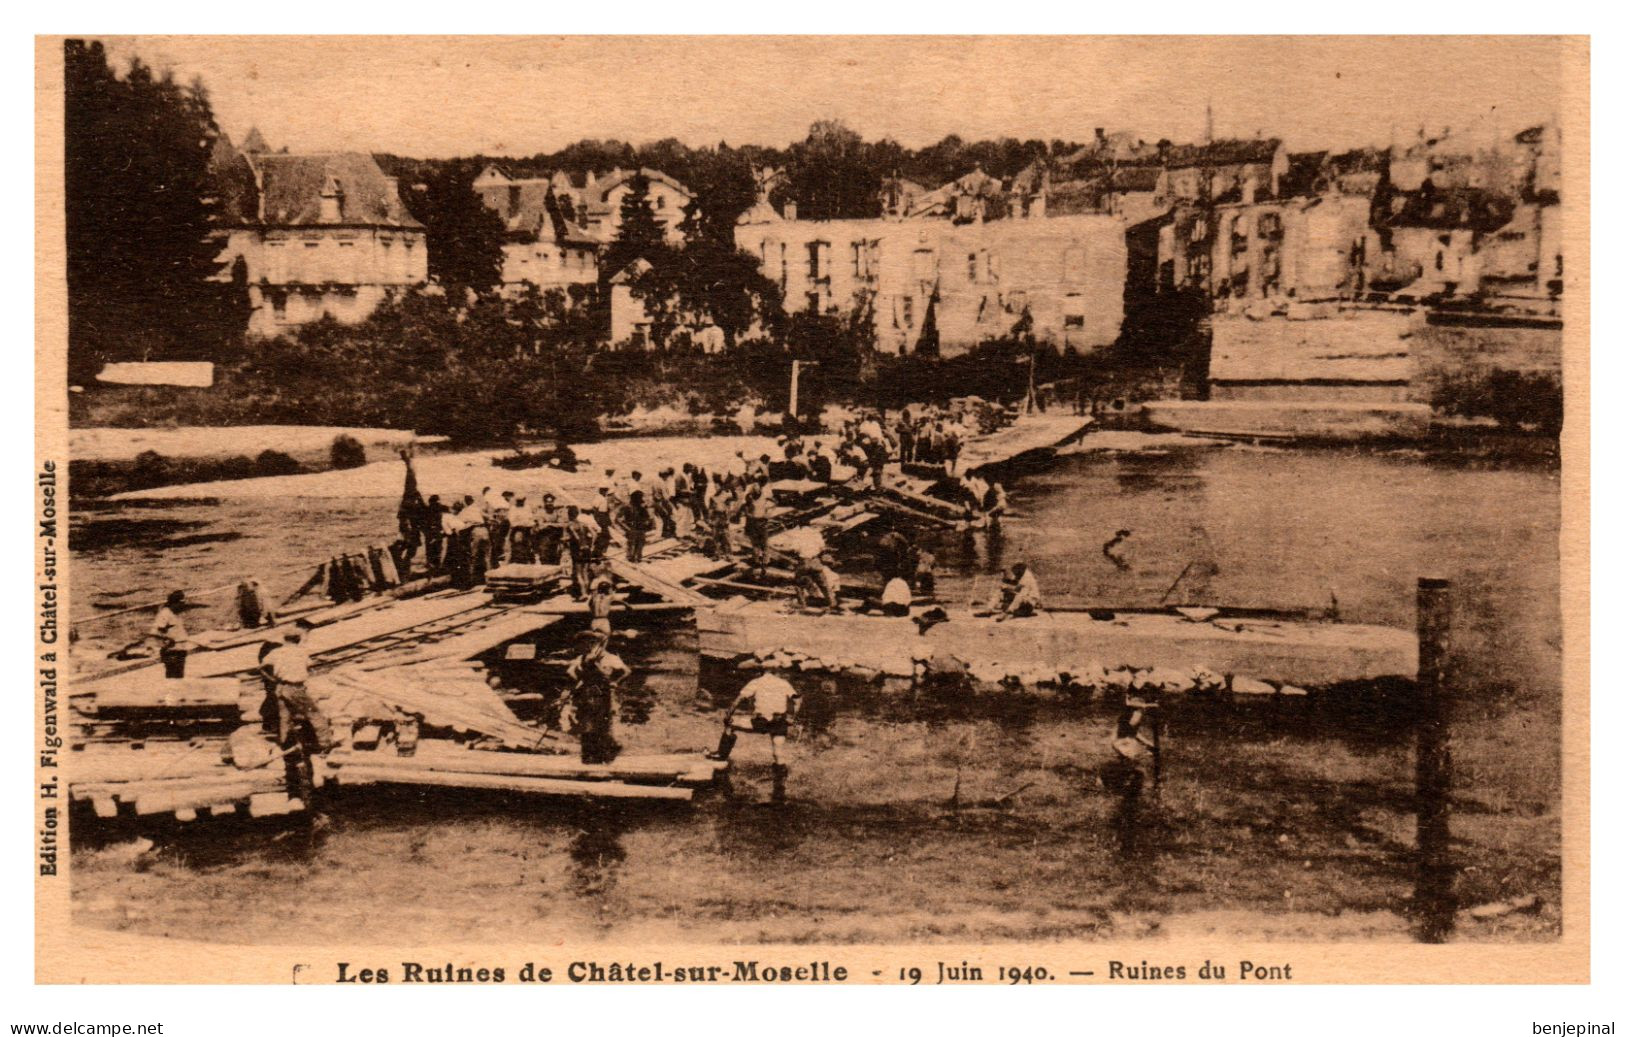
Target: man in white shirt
<point x="1025" y="600"/>
<point x="772" y="702"/>
<point x="170" y="633"/>
<point x="895" y="599"/>
<point x="521" y="532"/>
<point x="302" y="729"/>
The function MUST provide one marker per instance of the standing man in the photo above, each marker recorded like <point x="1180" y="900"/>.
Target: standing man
<point x="1136" y="755"/>
<point x="170" y="633"/>
<point x="580" y="538"/>
<point x="604" y="508"/>
<point x="434" y="533"/>
<point x="596" y="674"/>
<point x="637" y="521"/>
<point x="664" y="492"/>
<point x="500" y="521"/>
<point x="758" y="506"/>
<point x="521" y="533"/>
<point x="548" y="531"/>
<point x="409" y="514"/>
<point x="772" y="702"/>
<point x="302" y="730"/>
<point x="599" y="602"/>
<point x="479" y="546"/>
<point x="455" y="534"/>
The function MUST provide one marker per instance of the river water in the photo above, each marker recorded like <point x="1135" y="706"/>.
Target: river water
<point x="923" y="819"/>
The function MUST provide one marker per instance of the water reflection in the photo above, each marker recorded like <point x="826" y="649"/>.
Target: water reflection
<point x="597" y="854"/>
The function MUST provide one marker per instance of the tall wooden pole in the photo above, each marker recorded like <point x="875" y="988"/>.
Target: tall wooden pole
<point x="1435" y="879"/>
<point x="795" y="385"/>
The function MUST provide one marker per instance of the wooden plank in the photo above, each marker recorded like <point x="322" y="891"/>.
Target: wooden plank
<point x="175" y="801"/>
<point x="444" y="758"/>
<point x="654" y="582"/>
<point x="267" y="804"/>
<point x="263" y="780"/>
<point x="736" y="585"/>
<point x="362" y="775"/>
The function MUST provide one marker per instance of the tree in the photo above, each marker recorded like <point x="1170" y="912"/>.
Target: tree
<point x="640" y="235"/>
<point x="143" y="231"/>
<point x="463" y="235"/>
<point x="833" y="175"/>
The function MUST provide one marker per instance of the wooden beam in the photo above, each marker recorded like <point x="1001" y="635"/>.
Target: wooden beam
<point x="476" y="761"/>
<point x="361" y="775"/>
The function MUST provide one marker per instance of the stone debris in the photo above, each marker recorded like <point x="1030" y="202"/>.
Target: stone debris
<point x="1083" y="678"/>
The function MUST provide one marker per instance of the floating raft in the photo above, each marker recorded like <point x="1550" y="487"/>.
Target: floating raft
<point x="1297" y="652"/>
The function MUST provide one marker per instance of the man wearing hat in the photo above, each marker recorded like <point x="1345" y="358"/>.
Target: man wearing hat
<point x="301" y="729"/>
<point x="596" y="673"/>
<point x="170" y="633"/>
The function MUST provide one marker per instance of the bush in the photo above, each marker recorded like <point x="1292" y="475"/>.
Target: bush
<point x="347" y="452"/>
<point x="150" y="469"/>
<point x="237" y="466"/>
<point x="275" y="462"/>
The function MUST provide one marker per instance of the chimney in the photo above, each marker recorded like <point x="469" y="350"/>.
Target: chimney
<point x="1162" y="150"/>
<point x="789" y="210"/>
<point x="332" y="200"/>
<point x="1100" y="136"/>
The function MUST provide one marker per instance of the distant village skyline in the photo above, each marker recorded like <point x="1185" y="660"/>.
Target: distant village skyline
<point x="427" y="97"/>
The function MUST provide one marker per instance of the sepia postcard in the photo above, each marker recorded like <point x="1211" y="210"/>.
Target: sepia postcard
<point x="1026" y="510"/>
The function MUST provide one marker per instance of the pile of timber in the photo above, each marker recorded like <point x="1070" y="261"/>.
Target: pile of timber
<point x="147" y="707"/>
<point x="447" y="764"/>
<point x="438" y="695"/>
<point x="521" y="582"/>
<point x="213" y="775"/>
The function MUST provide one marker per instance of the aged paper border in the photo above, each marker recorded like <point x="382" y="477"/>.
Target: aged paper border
<point x="66" y="954"/>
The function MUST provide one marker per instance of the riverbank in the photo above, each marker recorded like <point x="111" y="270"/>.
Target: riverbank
<point x="471" y="471"/>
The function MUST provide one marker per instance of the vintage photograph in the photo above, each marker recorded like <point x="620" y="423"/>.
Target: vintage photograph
<point x="837" y="493"/>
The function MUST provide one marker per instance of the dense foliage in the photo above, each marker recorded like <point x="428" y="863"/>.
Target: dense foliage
<point x="143" y="237"/>
<point x="833" y="173"/>
<point x="463" y="236"/>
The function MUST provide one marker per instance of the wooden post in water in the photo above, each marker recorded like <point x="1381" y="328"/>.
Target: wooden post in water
<point x="1435" y="879"/>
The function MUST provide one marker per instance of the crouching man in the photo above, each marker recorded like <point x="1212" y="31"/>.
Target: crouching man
<point x="771" y="704"/>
